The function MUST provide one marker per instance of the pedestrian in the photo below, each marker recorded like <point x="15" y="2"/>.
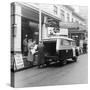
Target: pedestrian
<point x="84" y="47"/>
<point x="34" y="50"/>
<point x="25" y="46"/>
<point x="41" y="59"/>
<point x="30" y="55"/>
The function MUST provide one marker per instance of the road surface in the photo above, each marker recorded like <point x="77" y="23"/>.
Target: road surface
<point x="72" y="73"/>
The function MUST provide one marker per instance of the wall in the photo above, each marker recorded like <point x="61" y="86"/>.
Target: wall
<point x="16" y="30"/>
<point x="66" y="11"/>
<point x="46" y="7"/>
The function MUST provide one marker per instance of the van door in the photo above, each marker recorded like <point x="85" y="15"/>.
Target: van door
<point x="58" y="44"/>
<point x="73" y="48"/>
<point x="74" y="51"/>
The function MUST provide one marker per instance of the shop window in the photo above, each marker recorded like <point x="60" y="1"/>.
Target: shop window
<point x="77" y="21"/>
<point x="30" y="30"/>
<point x="72" y="19"/>
<point x="68" y="17"/>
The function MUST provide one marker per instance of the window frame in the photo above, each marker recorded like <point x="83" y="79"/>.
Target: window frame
<point x="62" y="14"/>
<point x="55" y="9"/>
<point x="68" y="17"/>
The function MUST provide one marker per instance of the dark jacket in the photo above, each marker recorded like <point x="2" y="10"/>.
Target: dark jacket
<point x="40" y="49"/>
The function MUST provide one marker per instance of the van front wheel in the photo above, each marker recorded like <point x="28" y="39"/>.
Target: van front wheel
<point x="63" y="62"/>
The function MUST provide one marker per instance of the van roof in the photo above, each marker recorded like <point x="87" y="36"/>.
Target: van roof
<point x="58" y="37"/>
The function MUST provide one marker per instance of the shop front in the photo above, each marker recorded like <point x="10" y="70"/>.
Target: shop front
<point x="28" y="23"/>
<point x="30" y="30"/>
<point x="75" y="31"/>
<point x="77" y="36"/>
<point x="24" y="24"/>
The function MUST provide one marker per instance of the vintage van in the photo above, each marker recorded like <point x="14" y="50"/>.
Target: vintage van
<point x="59" y="49"/>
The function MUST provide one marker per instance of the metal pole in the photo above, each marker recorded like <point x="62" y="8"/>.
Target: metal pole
<point x="39" y="24"/>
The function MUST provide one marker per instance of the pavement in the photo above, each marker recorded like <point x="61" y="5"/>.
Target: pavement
<point x="72" y="73"/>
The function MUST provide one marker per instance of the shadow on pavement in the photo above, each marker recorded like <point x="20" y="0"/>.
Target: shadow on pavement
<point x="56" y="65"/>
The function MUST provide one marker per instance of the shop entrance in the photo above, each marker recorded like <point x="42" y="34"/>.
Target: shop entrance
<point x="30" y="30"/>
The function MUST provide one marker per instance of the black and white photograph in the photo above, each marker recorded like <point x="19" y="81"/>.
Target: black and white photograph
<point x="49" y="44"/>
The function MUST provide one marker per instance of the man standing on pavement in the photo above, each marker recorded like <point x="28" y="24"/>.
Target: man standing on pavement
<point x="30" y="55"/>
<point x="25" y="46"/>
<point x="41" y="59"/>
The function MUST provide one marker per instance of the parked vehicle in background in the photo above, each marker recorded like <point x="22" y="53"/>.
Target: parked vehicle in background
<point x="59" y="49"/>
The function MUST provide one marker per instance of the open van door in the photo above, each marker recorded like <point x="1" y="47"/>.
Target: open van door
<point x="58" y="44"/>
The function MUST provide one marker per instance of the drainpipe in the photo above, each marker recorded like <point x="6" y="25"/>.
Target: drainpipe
<point x="39" y="24"/>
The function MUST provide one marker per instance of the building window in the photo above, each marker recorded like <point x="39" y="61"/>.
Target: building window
<point x="68" y="17"/>
<point x="77" y="21"/>
<point x="72" y="19"/>
<point x="62" y="14"/>
<point x="55" y="9"/>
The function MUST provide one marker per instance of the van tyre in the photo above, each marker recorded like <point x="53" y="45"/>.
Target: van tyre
<point x="63" y="62"/>
<point x="74" y="59"/>
<point x="47" y="63"/>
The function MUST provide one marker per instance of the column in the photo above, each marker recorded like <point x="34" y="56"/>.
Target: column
<point x="44" y="29"/>
<point x="17" y="28"/>
<point x="40" y="24"/>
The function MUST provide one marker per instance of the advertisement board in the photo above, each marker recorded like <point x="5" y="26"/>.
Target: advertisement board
<point x="19" y="61"/>
<point x="64" y="31"/>
<point x="57" y="32"/>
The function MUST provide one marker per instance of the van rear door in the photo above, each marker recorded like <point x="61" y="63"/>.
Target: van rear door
<point x="58" y="41"/>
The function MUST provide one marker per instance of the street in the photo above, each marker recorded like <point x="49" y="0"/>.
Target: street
<point x="72" y="73"/>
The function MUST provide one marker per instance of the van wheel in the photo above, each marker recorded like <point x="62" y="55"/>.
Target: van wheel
<point x="47" y="63"/>
<point x="63" y="62"/>
<point x="74" y="59"/>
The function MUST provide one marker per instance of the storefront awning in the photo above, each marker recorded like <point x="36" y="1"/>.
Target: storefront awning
<point x="32" y="12"/>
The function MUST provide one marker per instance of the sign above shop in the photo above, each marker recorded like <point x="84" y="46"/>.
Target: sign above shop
<point x="63" y="32"/>
<point x="52" y="31"/>
<point x="19" y="61"/>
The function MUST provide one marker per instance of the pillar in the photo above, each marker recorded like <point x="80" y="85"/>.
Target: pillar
<point x="16" y="27"/>
<point x="40" y="24"/>
<point x="44" y="29"/>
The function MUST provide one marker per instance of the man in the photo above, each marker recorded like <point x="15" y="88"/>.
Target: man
<point x="84" y="48"/>
<point x="30" y="54"/>
<point x="34" y="52"/>
<point x="25" y="46"/>
<point x="41" y="59"/>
